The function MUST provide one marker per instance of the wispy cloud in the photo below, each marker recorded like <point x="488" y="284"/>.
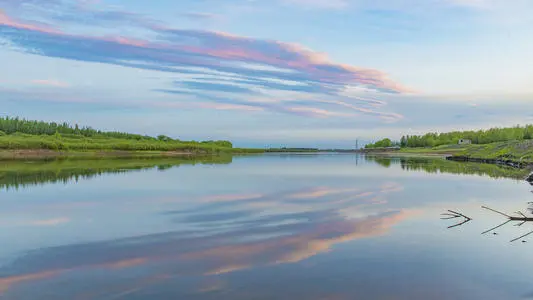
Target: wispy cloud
<point x="50" y="222"/>
<point x="201" y="15"/>
<point x="337" y="4"/>
<point x="50" y="82"/>
<point x="7" y="282"/>
<point x="247" y="66"/>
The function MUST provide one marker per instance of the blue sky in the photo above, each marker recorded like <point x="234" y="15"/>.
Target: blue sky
<point x="267" y="73"/>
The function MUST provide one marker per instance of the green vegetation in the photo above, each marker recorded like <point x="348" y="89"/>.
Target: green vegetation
<point x="514" y="144"/>
<point x="489" y="136"/>
<point x="481" y="137"/>
<point x="68" y="142"/>
<point x="445" y="166"/>
<point x="15" y="174"/>
<point x="17" y="134"/>
<point x="513" y="150"/>
<point x="517" y="151"/>
<point x="384" y="143"/>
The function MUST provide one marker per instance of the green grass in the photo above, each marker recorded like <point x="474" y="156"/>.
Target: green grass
<point x="519" y="151"/>
<point x="78" y="144"/>
<point x="513" y="150"/>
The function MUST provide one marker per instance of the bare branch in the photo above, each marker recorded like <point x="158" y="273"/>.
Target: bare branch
<point x="499" y="212"/>
<point x="459" y="214"/>
<point x="496" y="227"/>
<point x="522" y="236"/>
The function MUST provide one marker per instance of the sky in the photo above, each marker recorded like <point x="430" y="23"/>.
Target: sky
<point x="315" y="73"/>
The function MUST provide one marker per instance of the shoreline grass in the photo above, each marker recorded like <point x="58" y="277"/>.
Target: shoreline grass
<point x="510" y="150"/>
<point x="26" y="146"/>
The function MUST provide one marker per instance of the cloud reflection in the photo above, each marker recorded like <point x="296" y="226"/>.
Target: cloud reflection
<point x="297" y="226"/>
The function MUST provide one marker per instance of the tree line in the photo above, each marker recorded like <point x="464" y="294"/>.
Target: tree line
<point x="12" y="125"/>
<point x="384" y="143"/>
<point x="487" y="136"/>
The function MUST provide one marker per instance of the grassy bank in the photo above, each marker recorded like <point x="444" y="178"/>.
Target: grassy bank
<point x="71" y="142"/>
<point x="512" y="151"/>
<point x="28" y="139"/>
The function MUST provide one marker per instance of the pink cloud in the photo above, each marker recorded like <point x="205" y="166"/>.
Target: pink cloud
<point x="7" y="282"/>
<point x="219" y="52"/>
<point x="50" y="222"/>
<point x="231" y="197"/>
<point x="211" y="44"/>
<point x="317" y="112"/>
<point x="6" y="20"/>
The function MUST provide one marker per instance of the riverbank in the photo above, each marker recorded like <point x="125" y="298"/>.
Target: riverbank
<point x="512" y="153"/>
<point x="46" y="154"/>
<point x="29" y="139"/>
<point x="25" y="146"/>
<point x="518" y="154"/>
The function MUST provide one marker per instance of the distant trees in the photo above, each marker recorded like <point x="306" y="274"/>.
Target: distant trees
<point x="164" y="138"/>
<point x="382" y="144"/>
<point x="11" y="126"/>
<point x="491" y="135"/>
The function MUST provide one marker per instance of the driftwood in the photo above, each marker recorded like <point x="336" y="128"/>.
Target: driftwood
<point x="452" y="215"/>
<point x="520" y="217"/>
<point x="511" y="218"/>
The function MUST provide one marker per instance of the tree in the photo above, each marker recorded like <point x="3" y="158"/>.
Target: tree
<point x="403" y="142"/>
<point x="164" y="138"/>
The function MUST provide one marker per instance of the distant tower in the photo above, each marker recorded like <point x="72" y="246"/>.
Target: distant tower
<point x="356" y="144"/>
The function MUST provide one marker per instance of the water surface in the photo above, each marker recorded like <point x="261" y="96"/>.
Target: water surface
<point x="262" y="227"/>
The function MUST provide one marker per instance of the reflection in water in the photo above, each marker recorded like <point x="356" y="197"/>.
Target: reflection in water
<point x="16" y="174"/>
<point x="20" y="174"/>
<point x="267" y="227"/>
<point x="519" y="219"/>
<point x="437" y="165"/>
<point x="471" y="168"/>
<point x="288" y="228"/>
<point x="454" y="215"/>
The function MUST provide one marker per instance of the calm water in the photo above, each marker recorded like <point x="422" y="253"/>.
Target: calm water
<point x="263" y="227"/>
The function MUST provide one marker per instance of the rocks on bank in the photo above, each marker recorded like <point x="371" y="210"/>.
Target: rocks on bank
<point x="530" y="178"/>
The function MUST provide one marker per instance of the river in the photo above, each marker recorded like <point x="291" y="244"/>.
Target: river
<point x="290" y="226"/>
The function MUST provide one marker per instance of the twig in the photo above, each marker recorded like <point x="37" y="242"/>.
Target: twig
<point x="460" y="214"/>
<point x="447" y="214"/>
<point x="523" y="222"/>
<point x="520" y="213"/>
<point x="496" y="227"/>
<point x="522" y="236"/>
<point x="499" y="212"/>
<point x="459" y="224"/>
<point x="447" y="218"/>
<point x="453" y="215"/>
